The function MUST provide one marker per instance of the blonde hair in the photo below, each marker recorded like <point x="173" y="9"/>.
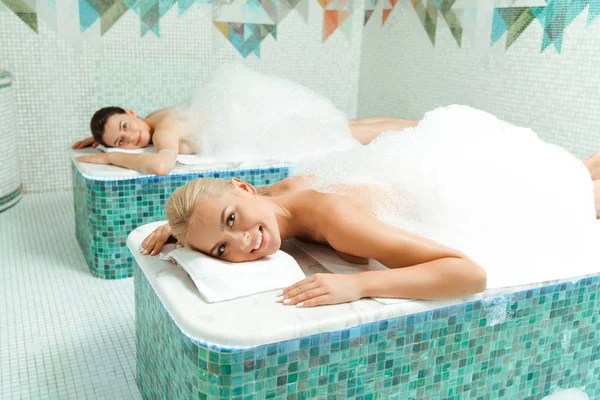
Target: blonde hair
<point x="180" y="206"/>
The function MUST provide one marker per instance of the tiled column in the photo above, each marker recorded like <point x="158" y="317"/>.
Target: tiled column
<point x="10" y="178"/>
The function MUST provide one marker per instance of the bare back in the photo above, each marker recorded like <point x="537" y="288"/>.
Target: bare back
<point x="311" y="208"/>
<point x="169" y="126"/>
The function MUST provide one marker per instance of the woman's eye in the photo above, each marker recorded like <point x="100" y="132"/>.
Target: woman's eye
<point x="125" y="126"/>
<point x="221" y="249"/>
<point x="120" y="142"/>
<point x="231" y="220"/>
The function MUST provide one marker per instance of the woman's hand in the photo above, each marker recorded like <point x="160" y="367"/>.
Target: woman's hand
<point x="102" y="158"/>
<point x="321" y="289"/>
<point x="156" y="240"/>
<point x="85" y="143"/>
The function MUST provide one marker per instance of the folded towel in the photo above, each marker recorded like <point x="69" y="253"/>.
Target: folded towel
<point x="219" y="280"/>
<point x="186" y="159"/>
<point x="147" y="149"/>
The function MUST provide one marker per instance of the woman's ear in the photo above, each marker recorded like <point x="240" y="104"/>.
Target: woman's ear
<point x="245" y="186"/>
<point x="130" y="112"/>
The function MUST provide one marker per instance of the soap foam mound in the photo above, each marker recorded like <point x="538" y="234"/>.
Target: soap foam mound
<point x="521" y="208"/>
<point x="567" y="394"/>
<point x="243" y="114"/>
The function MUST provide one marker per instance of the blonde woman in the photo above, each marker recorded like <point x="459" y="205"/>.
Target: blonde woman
<point x="429" y="235"/>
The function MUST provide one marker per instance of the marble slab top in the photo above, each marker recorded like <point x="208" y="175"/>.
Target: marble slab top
<point x="108" y="172"/>
<point x="259" y="319"/>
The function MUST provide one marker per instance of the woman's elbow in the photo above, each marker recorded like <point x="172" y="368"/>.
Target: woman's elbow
<point x="160" y="168"/>
<point x="477" y="278"/>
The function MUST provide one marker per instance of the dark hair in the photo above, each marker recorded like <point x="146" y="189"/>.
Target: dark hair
<point x="98" y="122"/>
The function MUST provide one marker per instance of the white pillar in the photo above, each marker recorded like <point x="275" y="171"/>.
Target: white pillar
<point x="10" y="176"/>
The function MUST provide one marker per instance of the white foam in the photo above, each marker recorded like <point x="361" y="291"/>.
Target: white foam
<point x="497" y="309"/>
<point x="240" y="113"/>
<point x="567" y="394"/>
<point x="521" y="208"/>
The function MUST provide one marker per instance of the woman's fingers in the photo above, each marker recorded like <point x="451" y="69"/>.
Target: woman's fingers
<point x="322" y="289"/>
<point x="305" y="295"/>
<point x="94" y="158"/>
<point x="155" y="241"/>
<point x="159" y="244"/>
<point x="296" y="285"/>
<point x="80" y="144"/>
<point x="316" y="301"/>
<point x="148" y="243"/>
<point x="290" y="294"/>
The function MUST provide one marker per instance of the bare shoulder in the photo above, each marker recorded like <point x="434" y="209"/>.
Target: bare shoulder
<point x="325" y="208"/>
<point x="287" y="185"/>
<point x="169" y="125"/>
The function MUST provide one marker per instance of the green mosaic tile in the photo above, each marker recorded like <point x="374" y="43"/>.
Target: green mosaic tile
<point x="106" y="211"/>
<point x="517" y="346"/>
<point x="8" y="200"/>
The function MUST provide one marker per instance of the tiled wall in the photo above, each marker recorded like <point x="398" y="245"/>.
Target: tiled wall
<point x="532" y="62"/>
<point x="70" y="57"/>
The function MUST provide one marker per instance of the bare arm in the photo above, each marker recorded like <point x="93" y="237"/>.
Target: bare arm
<point x="84" y="143"/>
<point x="161" y="163"/>
<point x="365" y="132"/>
<point x="166" y="143"/>
<point x="420" y="268"/>
<point x="157" y="164"/>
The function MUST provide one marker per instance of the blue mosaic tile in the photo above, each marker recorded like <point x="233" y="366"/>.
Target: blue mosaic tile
<point x="106" y="211"/>
<point x="517" y="346"/>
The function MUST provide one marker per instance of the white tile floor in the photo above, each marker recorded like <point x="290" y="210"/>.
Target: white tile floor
<point x="63" y="333"/>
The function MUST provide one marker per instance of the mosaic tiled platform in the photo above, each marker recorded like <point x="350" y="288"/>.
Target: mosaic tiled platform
<point x="108" y="209"/>
<point x="523" y="345"/>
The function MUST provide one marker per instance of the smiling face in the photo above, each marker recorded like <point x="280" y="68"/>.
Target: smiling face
<point x="126" y="131"/>
<point x="235" y="226"/>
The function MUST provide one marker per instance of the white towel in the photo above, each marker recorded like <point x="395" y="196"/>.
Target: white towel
<point x="219" y="280"/>
<point x="147" y="149"/>
<point x="188" y="159"/>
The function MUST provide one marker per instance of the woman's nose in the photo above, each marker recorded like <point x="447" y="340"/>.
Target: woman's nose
<point x="245" y="240"/>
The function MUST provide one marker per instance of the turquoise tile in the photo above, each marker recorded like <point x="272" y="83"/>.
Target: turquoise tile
<point x="460" y="352"/>
<point x="106" y="211"/>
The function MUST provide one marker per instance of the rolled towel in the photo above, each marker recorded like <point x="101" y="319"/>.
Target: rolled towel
<point x="218" y="280"/>
<point x="147" y="149"/>
<point x="189" y="159"/>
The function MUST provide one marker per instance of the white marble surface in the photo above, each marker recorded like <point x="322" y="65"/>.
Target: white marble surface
<point x="258" y="319"/>
<point x="97" y="171"/>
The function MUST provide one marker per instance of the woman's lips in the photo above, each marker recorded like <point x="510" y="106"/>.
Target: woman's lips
<point x="262" y="244"/>
<point x="264" y="238"/>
